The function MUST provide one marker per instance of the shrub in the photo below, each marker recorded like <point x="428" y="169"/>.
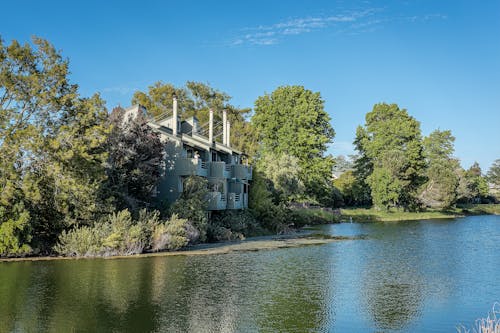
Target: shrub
<point x="126" y="236"/>
<point x="232" y="225"/>
<point x="192" y="204"/>
<point x="14" y="231"/>
<point x="120" y="234"/>
<point x="82" y="242"/>
<point x="173" y="234"/>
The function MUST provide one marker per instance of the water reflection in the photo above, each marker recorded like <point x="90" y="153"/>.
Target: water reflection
<point x="393" y="283"/>
<point x="393" y="305"/>
<point x="405" y="277"/>
<point x="297" y="296"/>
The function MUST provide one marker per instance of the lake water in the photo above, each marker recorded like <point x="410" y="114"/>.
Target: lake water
<point x="421" y="276"/>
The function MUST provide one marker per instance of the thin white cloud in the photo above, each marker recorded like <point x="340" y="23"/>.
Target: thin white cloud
<point x="272" y="34"/>
<point x="353" y="22"/>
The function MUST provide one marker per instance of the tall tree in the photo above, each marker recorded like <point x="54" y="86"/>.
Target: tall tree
<point x="158" y="99"/>
<point x="51" y="143"/>
<point x="493" y="174"/>
<point x="390" y="148"/>
<point x="292" y="120"/>
<point x="475" y="186"/>
<point x="440" y="190"/>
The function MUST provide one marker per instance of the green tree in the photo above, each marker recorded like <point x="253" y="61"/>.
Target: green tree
<point x="493" y="177"/>
<point x="343" y="164"/>
<point x="135" y="161"/>
<point x="493" y="174"/>
<point x="158" y="99"/>
<point x="192" y="204"/>
<point x="292" y="120"/>
<point x="440" y="190"/>
<point x="51" y="143"/>
<point x="346" y="184"/>
<point x="390" y="147"/>
<point x="270" y="215"/>
<point x="283" y="171"/>
<point x="475" y="186"/>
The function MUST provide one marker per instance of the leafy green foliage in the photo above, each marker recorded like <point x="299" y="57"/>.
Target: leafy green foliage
<point x="51" y="143"/>
<point x="440" y="190"/>
<point x="284" y="173"/>
<point x="390" y="148"/>
<point x="172" y="235"/>
<point x="346" y="184"/>
<point x="270" y="215"/>
<point x="386" y="189"/>
<point x="292" y="121"/>
<point x="120" y="234"/>
<point x="473" y="187"/>
<point x="192" y="204"/>
<point x="14" y="231"/>
<point x="493" y="174"/>
<point x="233" y="225"/>
<point x="159" y="97"/>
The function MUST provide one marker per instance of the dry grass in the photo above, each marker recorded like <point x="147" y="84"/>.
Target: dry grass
<point x="490" y="324"/>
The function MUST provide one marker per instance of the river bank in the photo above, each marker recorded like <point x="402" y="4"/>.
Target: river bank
<point x="302" y="237"/>
<point x="358" y="214"/>
<point x="297" y="239"/>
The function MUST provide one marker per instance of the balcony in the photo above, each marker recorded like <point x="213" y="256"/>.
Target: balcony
<point x="241" y="171"/>
<point x="220" y="170"/>
<point x="190" y="167"/>
<point x="216" y="201"/>
<point x="234" y="201"/>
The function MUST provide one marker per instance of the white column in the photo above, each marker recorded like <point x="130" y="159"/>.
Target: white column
<point x="224" y="127"/>
<point x="228" y="134"/>
<point x="211" y="127"/>
<point x="174" y="116"/>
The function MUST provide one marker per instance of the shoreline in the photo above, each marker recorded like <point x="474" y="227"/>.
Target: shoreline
<point x="299" y="239"/>
<point x="366" y="215"/>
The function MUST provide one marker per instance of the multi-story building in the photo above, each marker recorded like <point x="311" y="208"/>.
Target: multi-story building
<point x="192" y="150"/>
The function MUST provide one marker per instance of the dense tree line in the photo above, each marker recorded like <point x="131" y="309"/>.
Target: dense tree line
<point x="397" y="167"/>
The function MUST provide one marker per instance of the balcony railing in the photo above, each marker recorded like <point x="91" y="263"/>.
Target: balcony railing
<point x="234" y="201"/>
<point x="241" y="171"/>
<point x="190" y="167"/>
<point x="220" y="170"/>
<point x="216" y="201"/>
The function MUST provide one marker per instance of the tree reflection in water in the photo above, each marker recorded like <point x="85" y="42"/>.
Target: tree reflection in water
<point x="394" y="305"/>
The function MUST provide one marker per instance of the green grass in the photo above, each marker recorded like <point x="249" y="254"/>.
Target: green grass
<point x="371" y="214"/>
<point x="317" y="215"/>
<point x="359" y="214"/>
<point x="477" y="209"/>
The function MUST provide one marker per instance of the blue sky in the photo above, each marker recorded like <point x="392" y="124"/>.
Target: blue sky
<point x="438" y="59"/>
